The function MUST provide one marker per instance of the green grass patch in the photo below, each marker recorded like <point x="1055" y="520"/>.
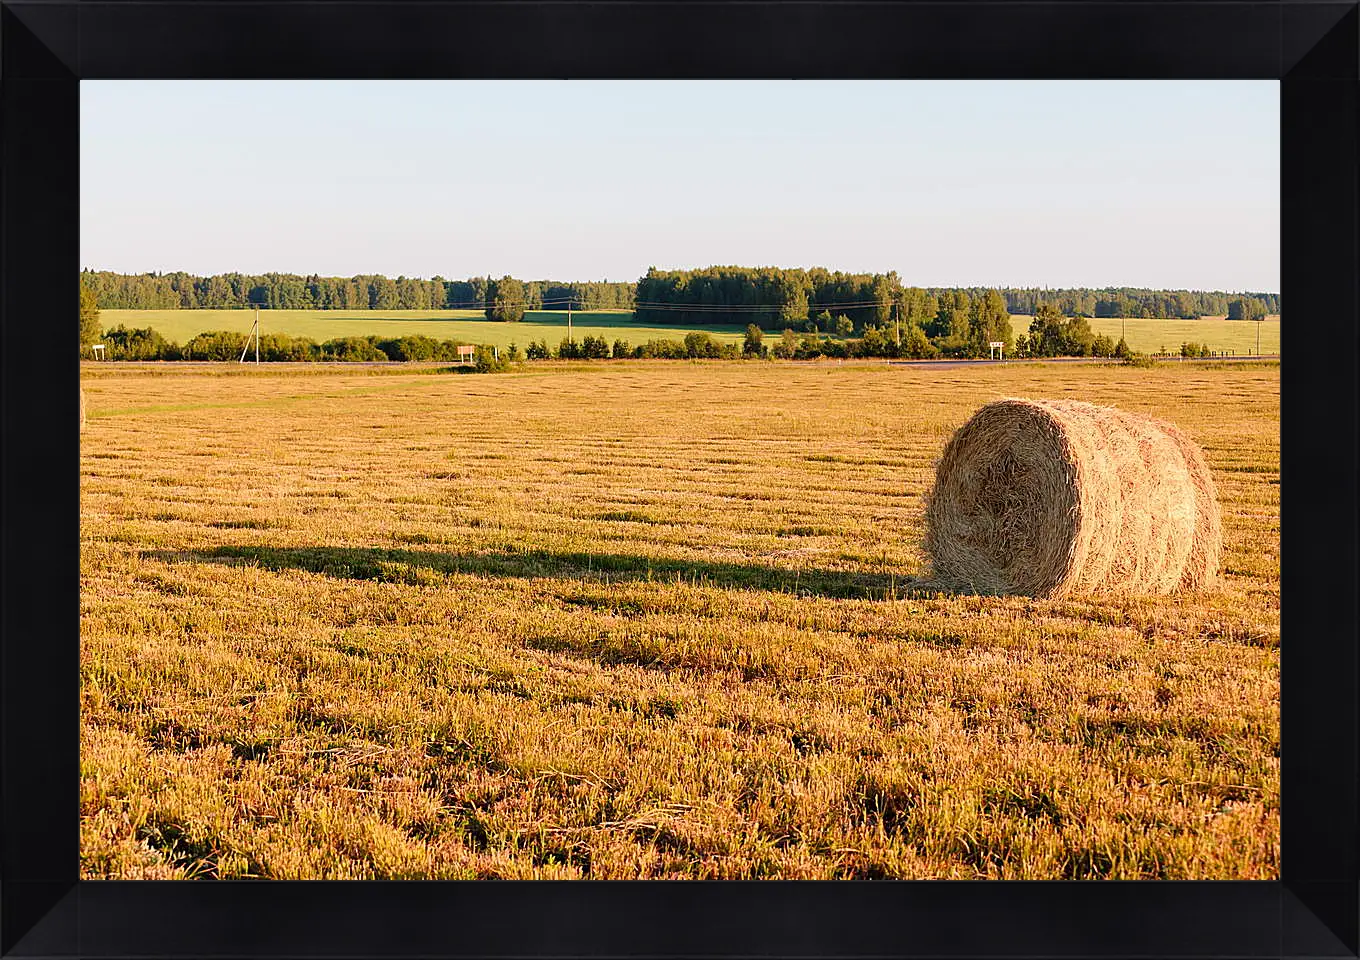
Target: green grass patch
<point x="1152" y="336"/>
<point x="470" y="326"/>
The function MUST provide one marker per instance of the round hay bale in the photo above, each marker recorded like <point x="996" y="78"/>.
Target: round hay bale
<point x="1050" y="497"/>
<point x="1206" y="550"/>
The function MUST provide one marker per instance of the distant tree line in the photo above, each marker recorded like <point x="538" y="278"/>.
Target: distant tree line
<point x="768" y="296"/>
<point x="820" y="313"/>
<point x="288" y="291"/>
<point x="889" y="318"/>
<point x="1137" y="303"/>
<point x="774" y="297"/>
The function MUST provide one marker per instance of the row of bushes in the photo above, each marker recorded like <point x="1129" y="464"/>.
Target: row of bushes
<point x="226" y="345"/>
<point x="1097" y="346"/>
<point x="695" y="346"/>
<point x="703" y="346"/>
<point x="121" y="343"/>
<point x="1064" y="337"/>
<point x="875" y="343"/>
<point x="791" y="345"/>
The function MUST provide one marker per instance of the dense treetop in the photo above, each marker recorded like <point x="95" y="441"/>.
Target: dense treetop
<point x="505" y="300"/>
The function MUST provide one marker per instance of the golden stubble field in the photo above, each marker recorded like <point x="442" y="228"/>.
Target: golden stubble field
<point x="642" y="620"/>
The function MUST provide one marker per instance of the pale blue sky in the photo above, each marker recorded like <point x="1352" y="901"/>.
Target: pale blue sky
<point x="1017" y="183"/>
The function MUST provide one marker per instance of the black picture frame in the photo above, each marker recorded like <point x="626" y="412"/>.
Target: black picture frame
<point x="47" y="46"/>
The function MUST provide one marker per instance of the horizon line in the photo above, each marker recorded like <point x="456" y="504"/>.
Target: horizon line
<point x="474" y="276"/>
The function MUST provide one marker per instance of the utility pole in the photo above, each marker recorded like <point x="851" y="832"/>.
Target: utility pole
<point x="1258" y="335"/>
<point x="569" y="339"/>
<point x="254" y="332"/>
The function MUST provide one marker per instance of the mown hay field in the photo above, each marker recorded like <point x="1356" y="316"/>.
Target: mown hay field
<point x="643" y="619"/>
<point x="469" y="326"/>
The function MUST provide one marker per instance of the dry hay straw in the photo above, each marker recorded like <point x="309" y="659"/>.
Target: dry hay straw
<point x="1051" y="497"/>
<point x="82" y="409"/>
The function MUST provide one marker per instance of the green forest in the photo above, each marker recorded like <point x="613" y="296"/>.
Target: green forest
<point x="816" y="312"/>
<point x="769" y="296"/>
<point x="290" y="291"/>
<point x="774" y="297"/>
<point x="1141" y="304"/>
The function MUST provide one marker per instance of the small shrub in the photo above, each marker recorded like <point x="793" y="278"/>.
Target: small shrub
<point x="787" y="347"/>
<point x="917" y="345"/>
<point x="120" y="343"/>
<point x="701" y="345"/>
<point x="350" y="349"/>
<point x="594" y="348"/>
<point x="809" y="347"/>
<point x="753" y="345"/>
<point x="485" y="359"/>
<point x="412" y="348"/>
<point x="215" y="345"/>
<point x="835" y="348"/>
<point x="662" y="350"/>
